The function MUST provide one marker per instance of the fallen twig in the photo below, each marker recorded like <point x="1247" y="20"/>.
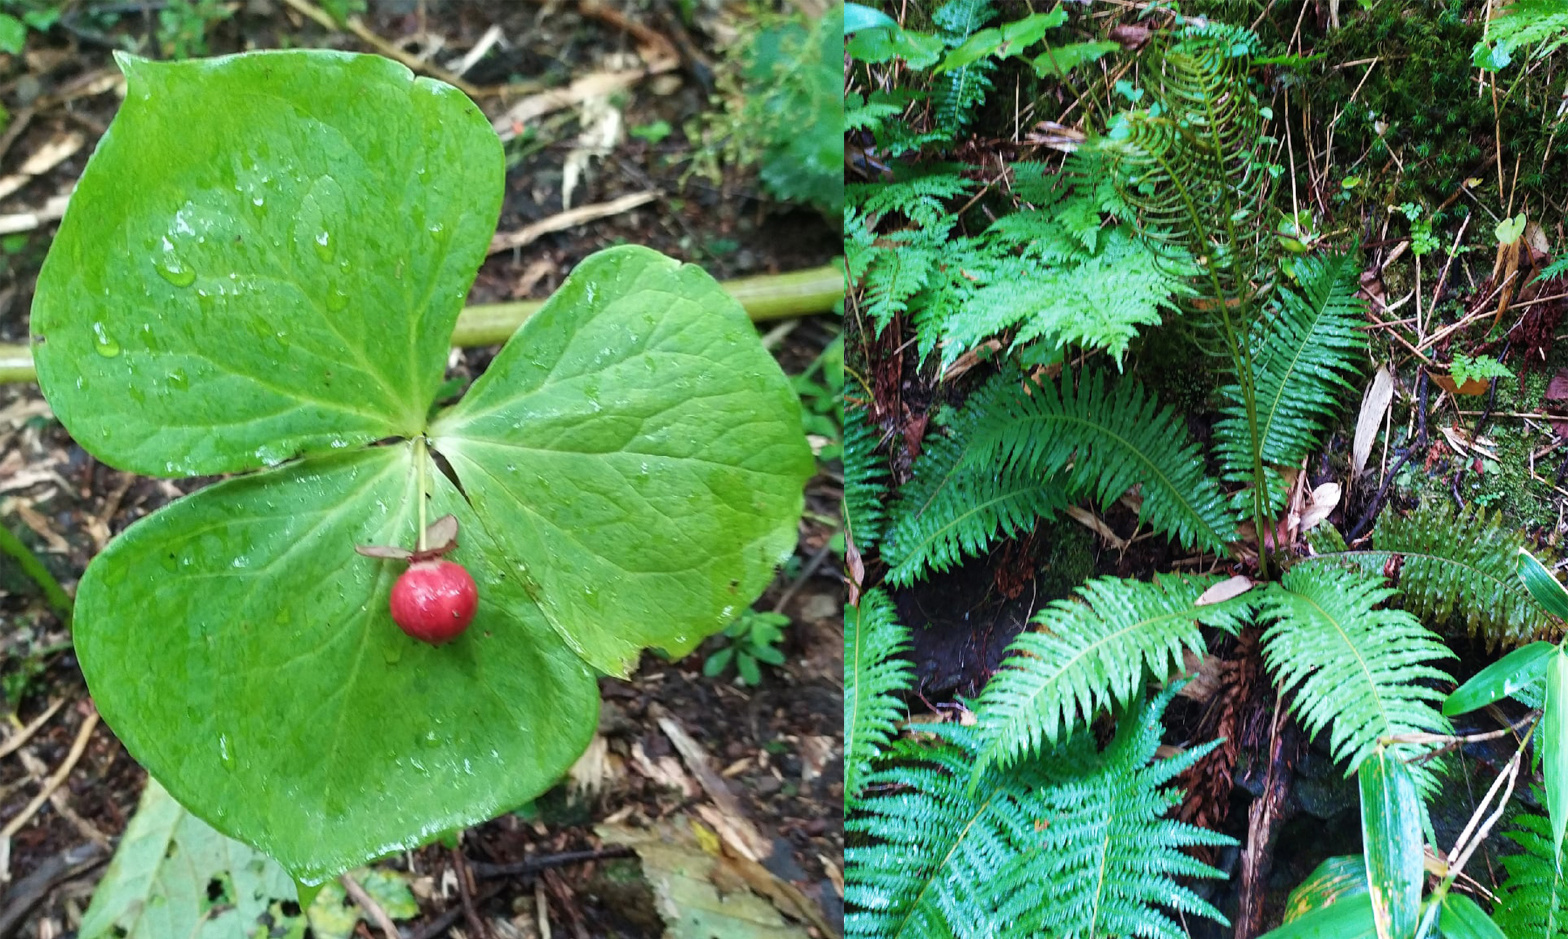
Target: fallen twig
<point x="370" y="906"/>
<point x="598" y="85"/>
<point x="571" y="218"/>
<point x="78" y="747"/>
<point x="16" y="740"/>
<point x="28" y="892"/>
<point x="357" y="26"/>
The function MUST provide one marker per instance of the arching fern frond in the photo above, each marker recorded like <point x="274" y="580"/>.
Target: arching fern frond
<point x="1105" y="443"/>
<point x="1454" y="569"/>
<point x="1353" y="667"/>
<point x="1305" y="349"/>
<point x="874" y="671"/>
<point x="865" y="480"/>
<point x="1111" y="862"/>
<point x="1078" y="837"/>
<point x="1533" y="900"/>
<point x="1088" y="652"/>
<point x="951" y="508"/>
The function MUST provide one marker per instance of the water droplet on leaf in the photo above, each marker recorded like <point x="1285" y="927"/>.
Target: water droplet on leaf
<point x="107" y="347"/>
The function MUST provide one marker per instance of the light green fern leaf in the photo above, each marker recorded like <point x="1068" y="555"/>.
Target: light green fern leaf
<point x="951" y="508"/>
<point x="1533" y="901"/>
<point x="1305" y="351"/>
<point x="1089" y="652"/>
<point x="865" y="480"/>
<point x="874" y="671"/>
<point x="1105" y="442"/>
<point x="1351" y="667"/>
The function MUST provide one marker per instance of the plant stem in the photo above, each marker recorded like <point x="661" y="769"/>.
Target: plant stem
<point x="767" y="297"/>
<point x="34" y="568"/>
<point x="421" y="458"/>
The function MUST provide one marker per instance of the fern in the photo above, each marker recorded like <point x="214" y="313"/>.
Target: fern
<point x="1110" y="860"/>
<point x="865" y="480"/>
<point x="1303" y="354"/>
<point x="1088" y="653"/>
<point x="873" y="672"/>
<point x="1454" y="569"/>
<point x="1105" y="443"/>
<point x="952" y="508"/>
<point x="1072" y="844"/>
<point x="1351" y="665"/>
<point x="1533" y="901"/>
<point x="1524" y="23"/>
<point x="957" y="93"/>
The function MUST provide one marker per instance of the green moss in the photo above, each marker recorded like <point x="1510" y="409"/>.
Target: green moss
<point x="1070" y="560"/>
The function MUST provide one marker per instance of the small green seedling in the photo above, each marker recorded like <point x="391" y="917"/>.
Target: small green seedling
<point x="754" y="637"/>
<point x="258" y="277"/>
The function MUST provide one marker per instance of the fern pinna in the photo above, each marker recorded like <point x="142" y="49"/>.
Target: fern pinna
<point x="1074" y="843"/>
<point x="874" y="672"/>
<point x="1533" y="902"/>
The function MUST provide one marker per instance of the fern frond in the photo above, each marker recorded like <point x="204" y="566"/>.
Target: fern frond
<point x="1111" y="863"/>
<point x="1105" y="443"/>
<point x="1078" y="838"/>
<point x="1455" y="569"/>
<point x="865" y="480"/>
<point x="1089" y="652"/>
<point x="951" y="508"/>
<point x="1533" y="901"/>
<point x="1351" y="665"/>
<point x="1542" y="24"/>
<point x="1304" y="353"/>
<point x="874" y="670"/>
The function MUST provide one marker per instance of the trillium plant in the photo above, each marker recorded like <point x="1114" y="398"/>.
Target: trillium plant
<point x="258" y="277"/>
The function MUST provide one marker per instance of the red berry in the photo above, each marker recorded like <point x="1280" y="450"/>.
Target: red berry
<point x="434" y="601"/>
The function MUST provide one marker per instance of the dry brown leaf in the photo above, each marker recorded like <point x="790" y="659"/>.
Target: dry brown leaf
<point x="1323" y="501"/>
<point x="1225" y="590"/>
<point x="1374" y="405"/>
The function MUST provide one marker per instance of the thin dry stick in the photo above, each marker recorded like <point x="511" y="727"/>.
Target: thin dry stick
<point x="356" y="26"/>
<point x="370" y="906"/>
<point x="26" y="733"/>
<point x="571" y="218"/>
<point x="78" y="747"/>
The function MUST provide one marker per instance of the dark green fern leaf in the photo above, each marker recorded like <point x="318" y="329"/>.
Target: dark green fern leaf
<point x="1454" y="569"/>
<point x="1305" y="351"/>
<point x="1110" y="862"/>
<point x="1105" y="443"/>
<point x="951" y="509"/>
<point x="1089" y="652"/>
<point x="1073" y="839"/>
<point x="874" y="671"/>
<point x="865" y="480"/>
<point x="957" y="93"/>
<point x="1533" y="901"/>
<point x="1354" y="668"/>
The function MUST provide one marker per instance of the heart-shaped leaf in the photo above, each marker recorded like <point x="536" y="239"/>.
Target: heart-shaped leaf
<point x="264" y="260"/>
<point x="625" y="448"/>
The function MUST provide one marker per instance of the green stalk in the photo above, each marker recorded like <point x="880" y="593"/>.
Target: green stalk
<point x="767" y="297"/>
<point x="34" y="568"/>
<point x="420" y="459"/>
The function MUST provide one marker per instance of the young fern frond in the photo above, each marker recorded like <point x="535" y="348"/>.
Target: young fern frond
<point x="957" y="93"/>
<point x="1089" y="652"/>
<point x="1351" y="665"/>
<point x="951" y="509"/>
<point x="874" y="671"/>
<point x="1304" y="351"/>
<point x="1454" y="569"/>
<point x="865" y="480"/>
<point x="1533" y="900"/>
<point x="1105" y="442"/>
<point x="1072" y="844"/>
<point x="1110" y="860"/>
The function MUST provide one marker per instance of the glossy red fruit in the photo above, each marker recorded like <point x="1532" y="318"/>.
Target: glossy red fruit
<point x="434" y="601"/>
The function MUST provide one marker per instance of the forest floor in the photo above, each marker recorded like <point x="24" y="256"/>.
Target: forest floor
<point x="775" y="748"/>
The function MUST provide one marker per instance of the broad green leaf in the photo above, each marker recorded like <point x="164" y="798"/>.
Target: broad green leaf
<point x="1391" y="840"/>
<point x="1553" y="744"/>
<point x="636" y="454"/>
<point x="160" y="883"/>
<point x="1350" y="918"/>
<point x="918" y="50"/>
<point x="244" y="654"/>
<point x="257" y="264"/>
<point x="1516" y="670"/>
<point x="1463" y="918"/>
<point x="1545" y="588"/>
<point x="13" y="34"/>
<point x="1336" y="878"/>
<point x="859" y="16"/>
<point x="1059" y="60"/>
<point x="1002" y="41"/>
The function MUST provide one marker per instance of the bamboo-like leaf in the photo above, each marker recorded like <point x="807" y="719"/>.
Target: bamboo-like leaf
<point x="1518" y="669"/>
<point x="1350" y="918"/>
<point x="1554" y="744"/>
<point x="1463" y="918"/>
<point x="1545" y="588"/>
<point x="1391" y="835"/>
<point x="1337" y="878"/>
